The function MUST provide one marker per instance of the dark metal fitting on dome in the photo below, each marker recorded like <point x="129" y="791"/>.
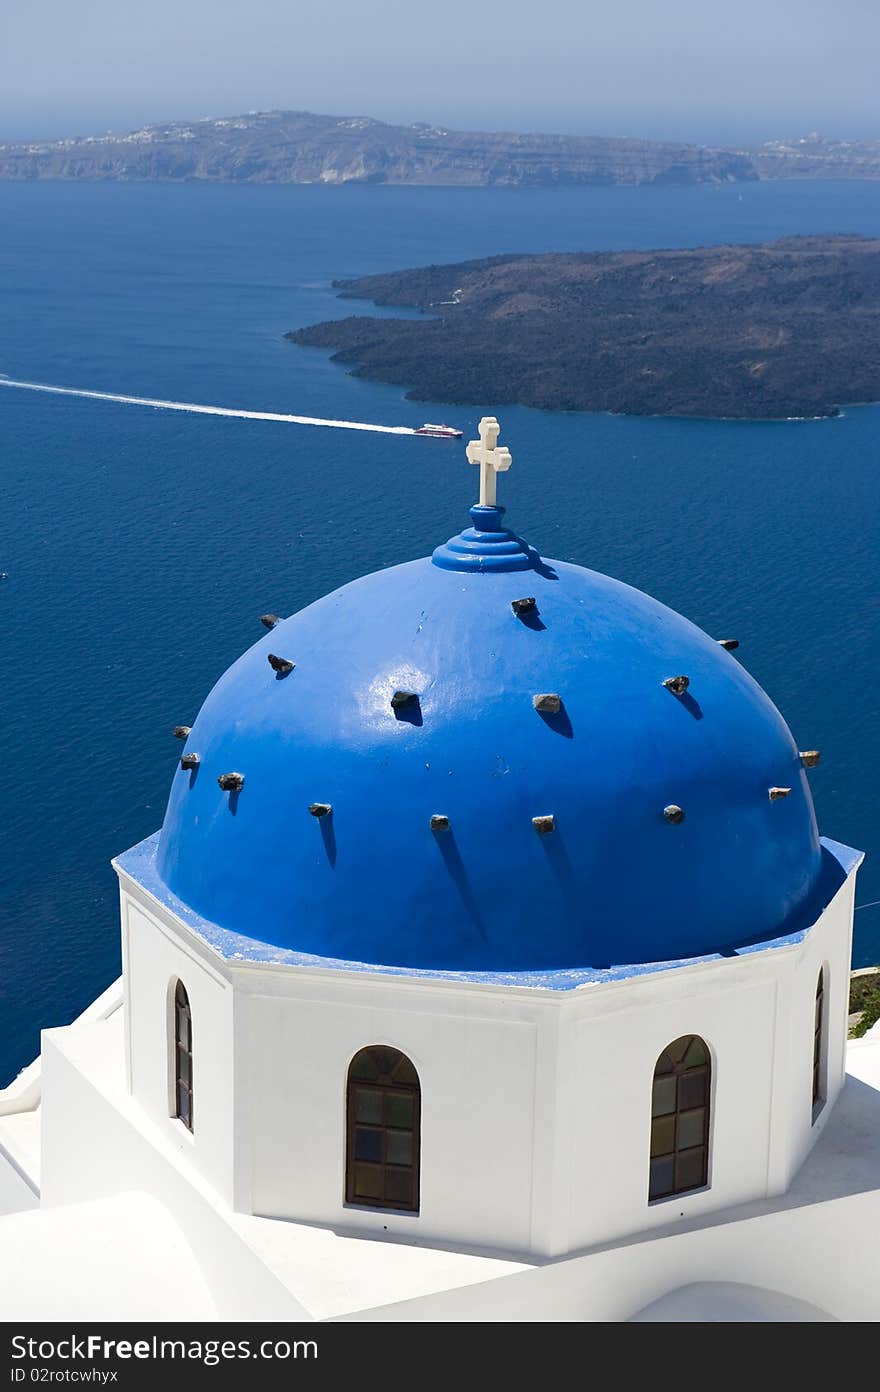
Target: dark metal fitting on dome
<point x="190" y="761"/>
<point x="730" y="644"/>
<point x="548" y="703"/>
<point x="809" y="757"/>
<point x="320" y="809"/>
<point x="673" y="813"/>
<point x="181" y="731"/>
<point x="524" y="606"/>
<point x="231" y="782"/>
<point x="775" y="793"/>
<point x="400" y="699"/>
<point x="544" y="825"/>
<point x="269" y="620"/>
<point x="677" y="685"/>
<point x="439" y="822"/>
<point x="281" y="665"/>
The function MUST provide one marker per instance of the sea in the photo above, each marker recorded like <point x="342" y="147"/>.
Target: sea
<point x="139" y="546"/>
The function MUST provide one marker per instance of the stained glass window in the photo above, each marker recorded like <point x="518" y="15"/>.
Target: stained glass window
<point x="183" y="1057"/>
<point x="679" y="1158"/>
<point x="818" y="1025"/>
<point x="382" y="1145"/>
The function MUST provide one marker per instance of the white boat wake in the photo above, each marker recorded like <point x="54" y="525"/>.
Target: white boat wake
<point x="195" y="409"/>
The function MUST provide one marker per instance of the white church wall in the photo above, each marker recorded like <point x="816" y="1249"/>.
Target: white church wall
<point x="156" y="955"/>
<point x="755" y="1013"/>
<point x="536" y="1106"/>
<point x="828" y="946"/>
<point x="475" y="1056"/>
<point x="616" y="1036"/>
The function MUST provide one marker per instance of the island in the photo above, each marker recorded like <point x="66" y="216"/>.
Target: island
<point x="781" y="329"/>
<point x="302" y="147"/>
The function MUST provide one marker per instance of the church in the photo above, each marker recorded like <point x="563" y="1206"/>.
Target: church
<point x="488" y="966"/>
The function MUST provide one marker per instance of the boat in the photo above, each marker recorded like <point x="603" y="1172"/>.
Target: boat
<point x="443" y="432"/>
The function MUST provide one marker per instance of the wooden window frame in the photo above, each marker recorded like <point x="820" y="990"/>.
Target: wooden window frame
<point x="385" y="1084"/>
<point x="678" y="1072"/>
<point x="182" y="1011"/>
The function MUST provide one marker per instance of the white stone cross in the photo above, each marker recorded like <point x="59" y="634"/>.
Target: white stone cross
<point x="492" y="458"/>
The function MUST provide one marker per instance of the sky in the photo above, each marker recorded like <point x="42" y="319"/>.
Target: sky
<point x="697" y="70"/>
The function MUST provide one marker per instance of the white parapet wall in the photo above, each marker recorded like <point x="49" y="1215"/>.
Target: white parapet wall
<point x="21" y="1120"/>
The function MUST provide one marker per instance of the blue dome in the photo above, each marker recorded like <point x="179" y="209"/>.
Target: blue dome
<point x="402" y="831"/>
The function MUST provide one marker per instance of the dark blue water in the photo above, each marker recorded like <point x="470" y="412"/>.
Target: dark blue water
<point x="142" y="546"/>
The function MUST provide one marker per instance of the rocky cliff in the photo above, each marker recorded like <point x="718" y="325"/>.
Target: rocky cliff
<point x="301" y="148"/>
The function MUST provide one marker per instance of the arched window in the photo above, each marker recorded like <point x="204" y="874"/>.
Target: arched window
<point x="680" y="1118"/>
<point x="183" y="1057"/>
<point x="818" y="1028"/>
<point x="382" y="1146"/>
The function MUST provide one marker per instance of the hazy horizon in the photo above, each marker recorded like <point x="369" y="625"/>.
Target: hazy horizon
<point x="683" y="71"/>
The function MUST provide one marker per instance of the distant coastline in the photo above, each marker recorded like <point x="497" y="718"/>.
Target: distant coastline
<point x="301" y="147"/>
<point x="777" y="331"/>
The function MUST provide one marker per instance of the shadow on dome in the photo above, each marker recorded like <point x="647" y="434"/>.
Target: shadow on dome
<point x="691" y="705"/>
<point x="328" y="836"/>
<point x="558" y="721"/>
<point x="537" y="563"/>
<point x="445" y="840"/>
<point x="531" y="618"/>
